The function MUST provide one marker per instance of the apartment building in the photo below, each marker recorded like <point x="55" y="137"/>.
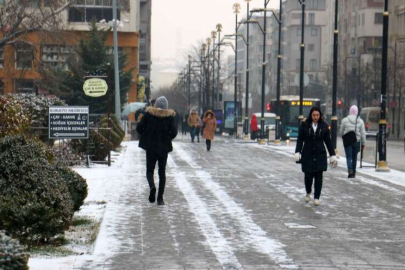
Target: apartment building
<point x="145" y="37"/>
<point x="317" y="36"/>
<point x="360" y="44"/>
<point x="19" y="64"/>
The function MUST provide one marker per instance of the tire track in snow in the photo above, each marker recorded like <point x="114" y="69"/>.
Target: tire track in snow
<point x="254" y="234"/>
<point x="218" y="244"/>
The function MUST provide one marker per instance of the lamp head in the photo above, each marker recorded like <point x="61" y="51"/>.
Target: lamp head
<point x="190" y="57"/>
<point x="213" y="34"/>
<point x="208" y="41"/>
<point x="203" y="48"/>
<point x="236" y="8"/>
<point x="219" y="27"/>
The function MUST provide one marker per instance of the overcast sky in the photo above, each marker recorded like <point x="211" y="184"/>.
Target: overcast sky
<point x="194" y="19"/>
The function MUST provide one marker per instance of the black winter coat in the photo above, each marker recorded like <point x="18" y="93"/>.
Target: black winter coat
<point x="311" y="145"/>
<point x="157" y="129"/>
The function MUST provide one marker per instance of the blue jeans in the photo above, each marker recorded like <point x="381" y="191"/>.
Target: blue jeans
<point x="351" y="156"/>
<point x="192" y="133"/>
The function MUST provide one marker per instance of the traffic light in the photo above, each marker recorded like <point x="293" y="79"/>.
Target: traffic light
<point x="339" y="104"/>
<point x="268" y="107"/>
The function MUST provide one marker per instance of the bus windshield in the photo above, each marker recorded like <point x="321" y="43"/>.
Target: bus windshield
<point x="294" y="113"/>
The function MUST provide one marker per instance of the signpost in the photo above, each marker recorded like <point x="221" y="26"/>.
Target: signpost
<point x="68" y="122"/>
<point x="95" y="87"/>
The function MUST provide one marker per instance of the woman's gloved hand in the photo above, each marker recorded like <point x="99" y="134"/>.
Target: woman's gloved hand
<point x="297" y="156"/>
<point x="333" y="161"/>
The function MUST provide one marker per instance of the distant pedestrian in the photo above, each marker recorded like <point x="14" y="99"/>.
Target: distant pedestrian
<point x="313" y="135"/>
<point x="184" y="125"/>
<point x="353" y="126"/>
<point x="158" y="129"/>
<point x="193" y="121"/>
<point x="177" y="119"/>
<point x="254" y="129"/>
<point x="210" y="125"/>
<point x="198" y="129"/>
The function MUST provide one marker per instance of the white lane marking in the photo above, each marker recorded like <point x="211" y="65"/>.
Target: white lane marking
<point x="218" y="244"/>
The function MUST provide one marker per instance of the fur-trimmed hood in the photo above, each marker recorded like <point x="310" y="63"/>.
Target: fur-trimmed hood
<point x="209" y="111"/>
<point x="160" y="112"/>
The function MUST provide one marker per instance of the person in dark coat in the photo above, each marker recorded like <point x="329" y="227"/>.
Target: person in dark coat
<point x="184" y="124"/>
<point x="313" y="136"/>
<point x="157" y="129"/>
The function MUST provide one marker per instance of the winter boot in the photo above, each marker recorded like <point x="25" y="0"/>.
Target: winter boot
<point x="307" y="198"/>
<point x="160" y="200"/>
<point x="316" y="202"/>
<point x="152" y="195"/>
<point x="351" y="174"/>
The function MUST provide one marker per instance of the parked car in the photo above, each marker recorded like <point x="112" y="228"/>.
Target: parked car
<point x="371" y="117"/>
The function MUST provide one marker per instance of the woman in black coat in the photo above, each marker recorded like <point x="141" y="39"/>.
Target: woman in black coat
<point x="313" y="135"/>
<point x="158" y="129"/>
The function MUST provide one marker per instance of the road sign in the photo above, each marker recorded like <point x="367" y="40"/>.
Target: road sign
<point x="95" y="87"/>
<point x="297" y="80"/>
<point x="68" y="122"/>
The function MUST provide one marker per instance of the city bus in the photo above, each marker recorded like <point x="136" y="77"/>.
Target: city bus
<point x="289" y="112"/>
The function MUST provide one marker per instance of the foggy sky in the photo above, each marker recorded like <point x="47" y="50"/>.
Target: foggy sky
<point x="195" y="19"/>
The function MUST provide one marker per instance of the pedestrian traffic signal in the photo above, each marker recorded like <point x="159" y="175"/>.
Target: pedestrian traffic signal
<point x="339" y="104"/>
<point x="268" y="107"/>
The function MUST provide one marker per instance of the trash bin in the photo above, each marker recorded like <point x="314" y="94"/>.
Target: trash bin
<point x="239" y="131"/>
<point x="370" y="149"/>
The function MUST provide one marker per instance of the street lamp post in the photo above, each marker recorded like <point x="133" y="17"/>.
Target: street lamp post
<point x="200" y="101"/>
<point x="207" y="92"/>
<point x="335" y="73"/>
<point x="246" y="124"/>
<point x="116" y="68"/>
<point x="264" y="31"/>
<point x="189" y="82"/>
<point x="279" y="57"/>
<point x="382" y="145"/>
<point x="219" y="30"/>
<point x="302" y="64"/>
<point x="213" y="36"/>
<point x="236" y="8"/>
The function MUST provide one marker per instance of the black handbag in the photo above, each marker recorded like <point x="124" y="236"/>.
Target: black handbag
<point x="350" y="137"/>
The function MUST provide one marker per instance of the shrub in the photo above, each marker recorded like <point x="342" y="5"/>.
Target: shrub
<point x="37" y="111"/>
<point x="76" y="184"/>
<point x="13" y="118"/>
<point x="12" y="255"/>
<point x="35" y="203"/>
<point x="65" y="155"/>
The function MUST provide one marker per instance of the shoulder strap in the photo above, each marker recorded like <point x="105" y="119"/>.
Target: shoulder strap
<point x="355" y="128"/>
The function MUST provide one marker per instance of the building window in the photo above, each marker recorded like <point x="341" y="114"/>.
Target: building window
<point x="311" y="20"/>
<point x="311" y="47"/>
<point x="86" y="10"/>
<point x="24" y="86"/>
<point x="312" y="64"/>
<point x="55" y="55"/>
<point x="1" y="57"/>
<point x="24" y="54"/>
<point x="314" y="32"/>
<point x="298" y="64"/>
<point x="1" y="87"/>
<point x="378" y="18"/>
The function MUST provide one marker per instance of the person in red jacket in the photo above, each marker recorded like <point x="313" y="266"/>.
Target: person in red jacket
<point x="253" y="128"/>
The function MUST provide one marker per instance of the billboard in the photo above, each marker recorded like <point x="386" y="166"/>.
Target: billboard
<point x="230" y="113"/>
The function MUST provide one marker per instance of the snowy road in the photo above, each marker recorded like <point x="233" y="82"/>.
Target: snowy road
<point x="241" y="206"/>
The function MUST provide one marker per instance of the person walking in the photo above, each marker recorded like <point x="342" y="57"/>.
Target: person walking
<point x="210" y="125"/>
<point x="158" y="129"/>
<point x="193" y="121"/>
<point x="310" y="151"/>
<point x="254" y="129"/>
<point x="355" y="125"/>
<point x="198" y="129"/>
<point x="184" y="124"/>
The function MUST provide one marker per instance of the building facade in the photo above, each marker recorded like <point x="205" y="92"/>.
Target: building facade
<point x="19" y="65"/>
<point x="145" y="41"/>
<point x="317" y="36"/>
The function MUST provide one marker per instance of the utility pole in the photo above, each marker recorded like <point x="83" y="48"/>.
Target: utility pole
<point x="302" y="65"/>
<point x="116" y="68"/>
<point x="335" y="73"/>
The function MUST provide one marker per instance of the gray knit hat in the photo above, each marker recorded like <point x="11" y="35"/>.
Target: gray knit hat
<point x="162" y="103"/>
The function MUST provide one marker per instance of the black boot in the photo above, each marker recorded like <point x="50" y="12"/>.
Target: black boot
<point x="160" y="200"/>
<point x="152" y="195"/>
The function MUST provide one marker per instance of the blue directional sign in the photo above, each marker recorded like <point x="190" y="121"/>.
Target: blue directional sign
<point x="67" y="122"/>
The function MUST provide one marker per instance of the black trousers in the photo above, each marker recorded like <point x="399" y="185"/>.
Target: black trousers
<point x="309" y="179"/>
<point x="208" y="143"/>
<point x="161" y="158"/>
